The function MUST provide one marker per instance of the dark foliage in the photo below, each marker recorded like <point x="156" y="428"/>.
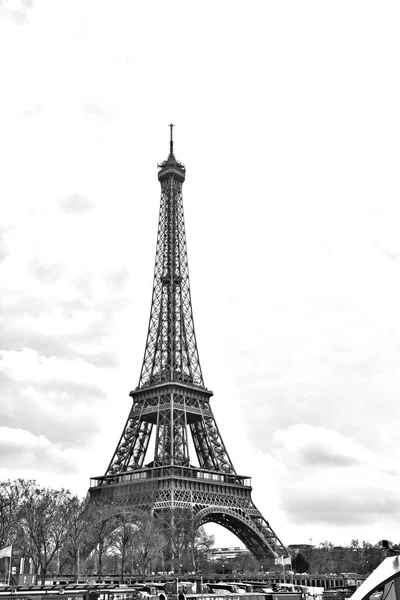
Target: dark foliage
<point x="300" y="564"/>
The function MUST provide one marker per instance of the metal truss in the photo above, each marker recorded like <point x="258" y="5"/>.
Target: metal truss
<point x="177" y="412"/>
<point x="171" y="405"/>
<point x="171" y="350"/>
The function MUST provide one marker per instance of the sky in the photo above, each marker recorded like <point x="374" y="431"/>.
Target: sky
<point x="287" y="118"/>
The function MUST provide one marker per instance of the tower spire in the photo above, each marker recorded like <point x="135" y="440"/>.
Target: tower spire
<point x="171" y="350"/>
<point x="171" y="142"/>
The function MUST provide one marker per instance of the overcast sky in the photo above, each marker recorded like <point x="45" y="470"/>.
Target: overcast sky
<point x="287" y="118"/>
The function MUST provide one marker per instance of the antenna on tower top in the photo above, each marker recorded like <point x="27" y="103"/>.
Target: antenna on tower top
<point x="171" y="143"/>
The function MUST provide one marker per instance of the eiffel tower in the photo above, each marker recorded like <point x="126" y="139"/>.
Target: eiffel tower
<point x="171" y="404"/>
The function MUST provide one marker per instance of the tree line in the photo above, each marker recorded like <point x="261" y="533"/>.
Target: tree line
<point x="359" y="557"/>
<point x="62" y="534"/>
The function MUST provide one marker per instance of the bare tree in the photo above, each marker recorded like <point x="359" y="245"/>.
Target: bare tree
<point x="11" y="499"/>
<point x="363" y="557"/>
<point x="201" y="543"/>
<point x="179" y="531"/>
<point x="100" y="520"/>
<point x="45" y="520"/>
<point x="75" y="540"/>
<point x="149" y="542"/>
<point x="187" y="543"/>
<point x="123" y="537"/>
<point x="321" y="561"/>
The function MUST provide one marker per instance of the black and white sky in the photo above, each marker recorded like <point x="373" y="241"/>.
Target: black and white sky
<point x="287" y="118"/>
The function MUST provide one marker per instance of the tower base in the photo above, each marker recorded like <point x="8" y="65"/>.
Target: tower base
<point x="211" y="497"/>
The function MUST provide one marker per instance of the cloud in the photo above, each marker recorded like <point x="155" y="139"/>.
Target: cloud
<point x="49" y="273"/>
<point x="117" y="278"/>
<point x="33" y="110"/>
<point x="328" y="479"/>
<point x="57" y="399"/>
<point x="307" y="446"/>
<point x="29" y="366"/>
<point x="314" y="455"/>
<point x="21" y="449"/>
<point x="66" y="328"/>
<point x="330" y="503"/>
<point x="337" y="369"/>
<point x="16" y="10"/>
<point x="101" y="359"/>
<point x="15" y="303"/>
<point x="97" y="111"/>
<point x="84" y="285"/>
<point x="3" y="248"/>
<point x="75" y="204"/>
<point x="386" y="251"/>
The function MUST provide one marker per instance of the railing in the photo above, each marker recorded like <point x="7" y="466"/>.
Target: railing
<point x="169" y="473"/>
<point x="165" y="378"/>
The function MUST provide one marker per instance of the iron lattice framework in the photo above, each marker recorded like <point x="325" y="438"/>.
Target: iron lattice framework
<point x="172" y="402"/>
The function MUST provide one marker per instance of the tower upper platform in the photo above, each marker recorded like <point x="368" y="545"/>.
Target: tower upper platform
<point x="171" y="166"/>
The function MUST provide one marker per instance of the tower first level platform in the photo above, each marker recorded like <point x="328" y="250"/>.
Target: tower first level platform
<point x="211" y="497"/>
